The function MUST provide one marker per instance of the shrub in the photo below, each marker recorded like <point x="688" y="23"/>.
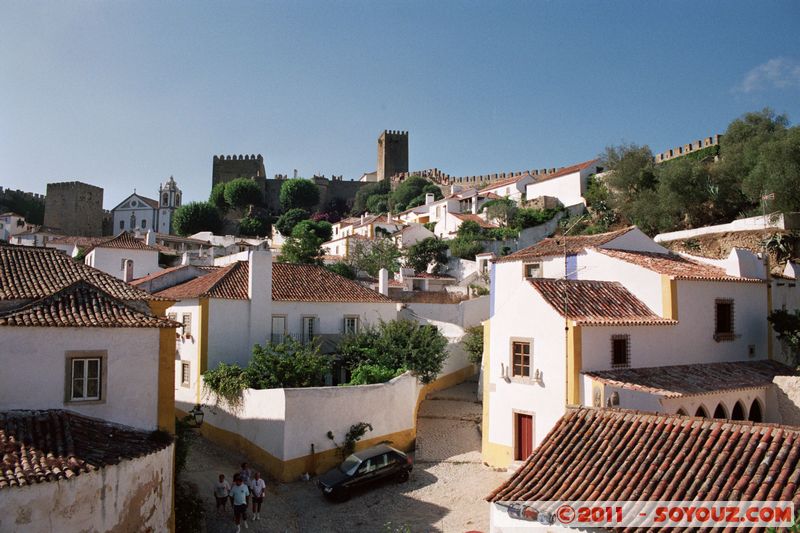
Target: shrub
<point x="465" y="248"/>
<point x="299" y="193"/>
<point x="469" y="229"/>
<point x="288" y="220"/>
<point x="379" y="188"/>
<point x="253" y="227"/>
<point x="217" y="197"/>
<point x="426" y="252"/>
<point x="367" y="374"/>
<point x="473" y="344"/>
<point x="242" y="192"/>
<point x="343" y="269"/>
<point x="288" y="364"/>
<point x="225" y="384"/>
<point x="528" y="218"/>
<point x="194" y="217"/>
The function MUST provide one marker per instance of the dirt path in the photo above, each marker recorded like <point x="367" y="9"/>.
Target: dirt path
<point x="445" y="492"/>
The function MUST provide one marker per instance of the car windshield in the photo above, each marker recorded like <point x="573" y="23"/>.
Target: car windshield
<point x="350" y="465"/>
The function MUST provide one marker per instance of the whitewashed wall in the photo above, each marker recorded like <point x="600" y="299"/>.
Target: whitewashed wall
<point x="34" y="375"/>
<point x="771" y="221"/>
<point x="568" y="189"/>
<point x="109" y="260"/>
<point x="134" y="495"/>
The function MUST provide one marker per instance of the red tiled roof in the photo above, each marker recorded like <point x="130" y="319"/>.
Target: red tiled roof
<point x="610" y="454"/>
<point x="31" y="273"/>
<point x="474" y="218"/>
<point x="675" y="266"/>
<point x="568" y="170"/>
<point x="80" y="242"/>
<point x="126" y="241"/>
<point x="690" y="380"/>
<point x="230" y="282"/>
<point x="312" y="283"/>
<point x="157" y="274"/>
<point x="42" y="446"/>
<point x="597" y="302"/>
<point x="504" y="182"/>
<point x="553" y="246"/>
<point x="82" y="305"/>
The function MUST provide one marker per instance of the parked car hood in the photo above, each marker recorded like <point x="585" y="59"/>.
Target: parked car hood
<point x="333" y="477"/>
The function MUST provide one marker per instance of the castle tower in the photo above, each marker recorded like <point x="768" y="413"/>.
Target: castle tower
<point x="169" y="199"/>
<point x="392" y="153"/>
<point x="74" y="208"/>
<point x="227" y="168"/>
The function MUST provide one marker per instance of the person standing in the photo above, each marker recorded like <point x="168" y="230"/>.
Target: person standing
<point x="257" y="488"/>
<point x="246" y="474"/>
<point x="222" y="489"/>
<point x="240" y="494"/>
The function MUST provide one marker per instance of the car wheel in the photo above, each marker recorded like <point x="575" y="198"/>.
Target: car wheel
<point x="402" y="476"/>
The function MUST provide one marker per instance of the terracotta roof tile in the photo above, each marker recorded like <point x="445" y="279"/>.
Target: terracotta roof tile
<point x="80" y="242"/>
<point x="230" y="282"/>
<point x="597" y="302"/>
<point x="124" y="240"/>
<point x="312" y="283"/>
<point x="31" y="273"/>
<point x="554" y="246"/>
<point x="42" y="446"/>
<point x="605" y="454"/>
<point x="504" y="182"/>
<point x="568" y="170"/>
<point x="157" y="274"/>
<point x="82" y="305"/>
<point x="675" y="266"/>
<point x="690" y="380"/>
<point x="474" y="218"/>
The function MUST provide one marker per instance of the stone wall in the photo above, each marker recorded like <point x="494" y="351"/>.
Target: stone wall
<point x="693" y="146"/>
<point x="74" y="208"/>
<point x="392" y="153"/>
<point x="226" y="168"/>
<point x="785" y="407"/>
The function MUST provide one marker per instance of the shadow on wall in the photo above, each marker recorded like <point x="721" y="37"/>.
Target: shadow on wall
<point x="786" y="400"/>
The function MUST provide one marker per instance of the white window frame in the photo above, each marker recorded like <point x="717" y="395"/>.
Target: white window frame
<point x="187" y="324"/>
<point x="356" y="324"/>
<point x="308" y="334"/>
<point x="86" y="357"/>
<point x="538" y="266"/>
<point x="273" y="333"/>
<point x="186" y="372"/>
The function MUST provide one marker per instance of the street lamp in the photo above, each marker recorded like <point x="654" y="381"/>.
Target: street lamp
<point x="196" y="416"/>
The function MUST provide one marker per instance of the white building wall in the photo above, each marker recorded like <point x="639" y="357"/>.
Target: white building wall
<point x="643" y="283"/>
<point x="568" y="189"/>
<point x="187" y="350"/>
<point x="38" y="357"/>
<point x="109" y="260"/>
<point x="142" y="213"/>
<point x="133" y="495"/>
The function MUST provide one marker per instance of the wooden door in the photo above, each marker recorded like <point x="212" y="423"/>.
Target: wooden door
<point x="524" y="445"/>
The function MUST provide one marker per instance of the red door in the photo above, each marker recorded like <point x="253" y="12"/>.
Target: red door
<point x="524" y="447"/>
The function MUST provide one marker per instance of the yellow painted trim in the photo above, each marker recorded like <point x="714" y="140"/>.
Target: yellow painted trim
<point x="496" y="455"/>
<point x="166" y="370"/>
<point x="202" y="347"/>
<point x="574" y="364"/>
<point x="669" y="297"/>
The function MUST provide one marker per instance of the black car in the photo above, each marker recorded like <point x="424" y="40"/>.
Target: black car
<point x="365" y="468"/>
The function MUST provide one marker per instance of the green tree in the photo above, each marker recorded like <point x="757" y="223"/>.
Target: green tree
<point x="397" y="345"/>
<point x="502" y="210"/>
<point x="299" y="193"/>
<point x="473" y="343"/>
<point x="217" y="198"/>
<point x="787" y="325"/>
<point x="288" y="220"/>
<point x="430" y="251"/>
<point x="465" y="248"/>
<point x="633" y="172"/>
<point x="411" y="193"/>
<point x="195" y="217"/>
<point x="528" y="218"/>
<point x="253" y="227"/>
<point x="778" y="172"/>
<point x="378" y="203"/>
<point x="469" y="229"/>
<point x="287" y="365"/>
<point x="322" y="229"/>
<point x="343" y="269"/>
<point x="371" y="256"/>
<point x="242" y="192"/>
<point x="304" y="246"/>
<point x="379" y="188"/>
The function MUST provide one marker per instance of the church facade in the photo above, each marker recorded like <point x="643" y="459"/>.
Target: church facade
<point x="138" y="212"/>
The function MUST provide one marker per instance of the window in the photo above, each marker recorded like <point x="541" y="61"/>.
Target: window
<point x="144" y="223"/>
<point x="173" y="316"/>
<point x="350" y="325"/>
<point x="620" y="351"/>
<point x="165" y="199"/>
<point x="186" y="319"/>
<point x="121" y="224"/>
<point x="723" y="323"/>
<point x="185" y="373"/>
<point x="521" y="359"/>
<point x="309" y="328"/>
<point x="533" y="270"/>
<point x="278" y="329"/>
<point x="85" y="383"/>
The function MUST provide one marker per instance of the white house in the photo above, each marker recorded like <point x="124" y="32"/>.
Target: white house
<point x="567" y="184"/>
<point x="366" y="228"/>
<point x="12" y="224"/>
<point x="447" y="225"/>
<point x="411" y="234"/>
<point x="124" y="256"/>
<point x="234" y="307"/>
<point x="88" y="372"/>
<point x="512" y="188"/>
<point x="626" y="303"/>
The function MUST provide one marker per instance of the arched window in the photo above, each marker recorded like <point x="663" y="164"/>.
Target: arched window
<point x="755" y="412"/>
<point x="165" y="199"/>
<point x="681" y="412"/>
<point x="719" y="412"/>
<point x="738" y="412"/>
<point x="701" y="411"/>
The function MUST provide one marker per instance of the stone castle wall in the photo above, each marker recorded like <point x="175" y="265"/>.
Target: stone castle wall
<point x="227" y="168"/>
<point x="74" y="208"/>
<point x="392" y="153"/>
<point x="694" y="146"/>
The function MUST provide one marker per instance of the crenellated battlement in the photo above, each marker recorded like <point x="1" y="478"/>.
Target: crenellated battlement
<point x="396" y="133"/>
<point x="239" y="157"/>
<point x="686" y="149"/>
<point x="441" y="178"/>
<point x="17" y="192"/>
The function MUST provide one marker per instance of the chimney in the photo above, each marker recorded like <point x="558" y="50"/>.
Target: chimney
<point x="363" y="216"/>
<point x="428" y="198"/>
<point x="259" y="276"/>
<point x="127" y="274"/>
<point x="383" y="282"/>
<point x="474" y="206"/>
<point x="185" y="258"/>
<point x="150" y="238"/>
<point x="389" y="217"/>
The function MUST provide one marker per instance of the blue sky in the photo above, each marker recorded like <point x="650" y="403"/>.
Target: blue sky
<point x="124" y="94"/>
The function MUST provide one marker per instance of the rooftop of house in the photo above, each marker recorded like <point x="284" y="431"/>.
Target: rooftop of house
<point x="80" y="242"/>
<point x="82" y="305"/>
<point x="611" y="454"/>
<point x="591" y="302"/>
<point x="125" y="241"/>
<point x="474" y="218"/>
<point x="689" y="380"/>
<point x="554" y="246"/>
<point x="31" y="273"/>
<point x="290" y="282"/>
<point x="158" y="274"/>
<point x="675" y="266"/>
<point x="50" y="445"/>
<point x="505" y="182"/>
<point x="151" y="203"/>
<point x="568" y="170"/>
